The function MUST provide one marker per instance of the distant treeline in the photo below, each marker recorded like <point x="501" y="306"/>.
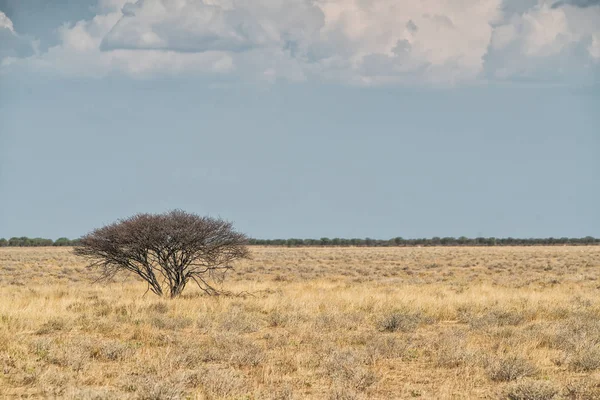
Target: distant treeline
<point x="435" y="241"/>
<point x="36" y="242"/>
<point x="368" y="242"/>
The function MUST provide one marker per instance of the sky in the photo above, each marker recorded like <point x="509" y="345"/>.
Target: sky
<point x="302" y="118"/>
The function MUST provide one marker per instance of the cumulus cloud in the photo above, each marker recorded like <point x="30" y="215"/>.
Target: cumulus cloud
<point x="545" y="42"/>
<point x="13" y="45"/>
<point x="197" y="26"/>
<point x="79" y="53"/>
<point x="577" y="3"/>
<point x="349" y="41"/>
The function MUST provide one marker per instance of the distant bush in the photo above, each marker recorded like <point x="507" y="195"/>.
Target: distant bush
<point x="63" y="241"/>
<point x="29" y="242"/>
<point x="355" y="242"/>
<point x="435" y="241"/>
<point x="25" y="241"/>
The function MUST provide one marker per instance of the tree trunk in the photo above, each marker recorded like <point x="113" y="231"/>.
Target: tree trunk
<point x="176" y="289"/>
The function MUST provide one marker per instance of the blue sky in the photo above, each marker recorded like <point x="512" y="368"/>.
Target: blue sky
<point x="296" y="118"/>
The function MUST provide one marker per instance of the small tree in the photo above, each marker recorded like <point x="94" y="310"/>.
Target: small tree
<point x="166" y="250"/>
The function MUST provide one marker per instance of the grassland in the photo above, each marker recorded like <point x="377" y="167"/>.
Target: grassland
<point x="322" y="323"/>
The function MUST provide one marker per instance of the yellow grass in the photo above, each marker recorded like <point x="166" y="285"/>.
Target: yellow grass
<point x="333" y="323"/>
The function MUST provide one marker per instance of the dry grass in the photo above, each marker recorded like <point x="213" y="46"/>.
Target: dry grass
<point x="347" y="323"/>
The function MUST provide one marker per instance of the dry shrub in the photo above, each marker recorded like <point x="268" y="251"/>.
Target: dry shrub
<point x="158" y="308"/>
<point x="18" y="371"/>
<point x="248" y="354"/>
<point x="276" y="340"/>
<point x="51" y="326"/>
<point x="190" y="379"/>
<point x="171" y="323"/>
<point x="76" y="353"/>
<point x="53" y="382"/>
<point x="569" y="334"/>
<point x="188" y="357"/>
<point x="281" y="393"/>
<point x="96" y="325"/>
<point x="277" y="318"/>
<point x="529" y="389"/>
<point x="339" y="364"/>
<point x="498" y="318"/>
<point x="401" y="320"/>
<point x="73" y="354"/>
<point x="5" y="340"/>
<point x="219" y="383"/>
<point x="125" y="312"/>
<point x="351" y="320"/>
<point x="451" y="350"/>
<point x="334" y="321"/>
<point x="363" y="378"/>
<point x="9" y="322"/>
<point x="584" y="389"/>
<point x="586" y="358"/>
<point x="233" y="349"/>
<point x="101" y="308"/>
<point x="339" y="392"/>
<point x="149" y="336"/>
<point x="387" y="347"/>
<point x="110" y="351"/>
<point x="325" y="322"/>
<point x="78" y="306"/>
<point x="510" y="368"/>
<point x="93" y="394"/>
<point x="41" y="346"/>
<point x="347" y="367"/>
<point x="93" y="304"/>
<point x="154" y="388"/>
<point x="238" y="320"/>
<point x="285" y="363"/>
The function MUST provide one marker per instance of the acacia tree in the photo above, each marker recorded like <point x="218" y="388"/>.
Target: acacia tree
<point x="166" y="250"/>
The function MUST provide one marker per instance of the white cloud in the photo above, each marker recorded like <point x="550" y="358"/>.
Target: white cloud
<point x="595" y="47"/>
<point x="79" y="54"/>
<point x="12" y="45"/>
<point x="196" y="26"/>
<point x="350" y="41"/>
<point x="546" y="42"/>
<point x="6" y="23"/>
<point x="387" y="40"/>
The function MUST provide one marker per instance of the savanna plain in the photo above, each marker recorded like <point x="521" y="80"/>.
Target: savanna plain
<point x="310" y="323"/>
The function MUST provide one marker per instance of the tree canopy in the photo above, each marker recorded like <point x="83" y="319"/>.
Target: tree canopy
<point x="166" y="250"/>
